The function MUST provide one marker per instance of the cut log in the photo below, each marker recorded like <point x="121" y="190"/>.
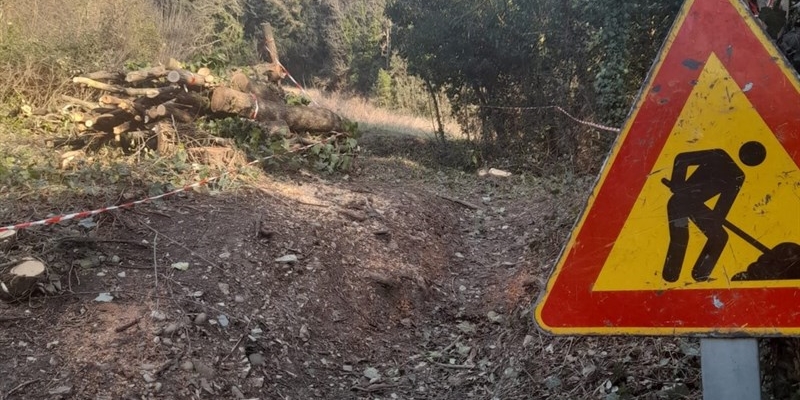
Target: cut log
<point x="156" y="112"/>
<point x="147" y="92"/>
<point x="17" y="281"/>
<point x="145" y="74"/>
<point x="108" y="121"/>
<point x="185" y="77"/>
<point x="272" y="70"/>
<point x="204" y="71"/>
<point x="106" y="76"/>
<point x="242" y="83"/>
<point x="121" y="128"/>
<point x="124" y="104"/>
<point x="197" y="101"/>
<point x="88" y="105"/>
<point x="299" y="118"/>
<point x="181" y="112"/>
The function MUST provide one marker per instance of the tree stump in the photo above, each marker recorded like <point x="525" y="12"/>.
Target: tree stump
<point x="7" y="240"/>
<point x="17" y="282"/>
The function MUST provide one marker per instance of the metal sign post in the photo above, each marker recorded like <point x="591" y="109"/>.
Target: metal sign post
<point x="730" y="369"/>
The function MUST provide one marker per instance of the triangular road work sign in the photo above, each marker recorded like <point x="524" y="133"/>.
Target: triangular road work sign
<point x="694" y="225"/>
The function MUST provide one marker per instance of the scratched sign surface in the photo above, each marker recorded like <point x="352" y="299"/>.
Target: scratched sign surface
<point x="694" y="225"/>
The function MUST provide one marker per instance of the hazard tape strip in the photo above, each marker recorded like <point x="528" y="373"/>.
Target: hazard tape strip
<point x="298" y="85"/>
<point x="578" y="120"/>
<point x="85" y="214"/>
<point x="292" y="78"/>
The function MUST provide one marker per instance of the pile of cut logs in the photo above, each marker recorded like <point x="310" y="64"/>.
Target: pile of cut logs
<point x="137" y="100"/>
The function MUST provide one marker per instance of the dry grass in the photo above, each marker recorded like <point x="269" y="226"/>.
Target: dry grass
<point x="44" y="42"/>
<point x="372" y="117"/>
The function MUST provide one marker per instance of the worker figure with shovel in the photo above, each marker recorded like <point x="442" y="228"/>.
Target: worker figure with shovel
<point x="716" y="174"/>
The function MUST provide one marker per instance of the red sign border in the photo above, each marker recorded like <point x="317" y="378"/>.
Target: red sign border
<point x="569" y="305"/>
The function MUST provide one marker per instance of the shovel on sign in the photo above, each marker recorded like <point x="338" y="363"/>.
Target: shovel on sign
<point x="779" y="263"/>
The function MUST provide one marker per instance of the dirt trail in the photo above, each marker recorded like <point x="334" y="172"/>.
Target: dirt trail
<point x="376" y="285"/>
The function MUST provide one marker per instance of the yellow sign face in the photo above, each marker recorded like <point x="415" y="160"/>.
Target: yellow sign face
<point x="766" y="206"/>
<point x="694" y="225"/>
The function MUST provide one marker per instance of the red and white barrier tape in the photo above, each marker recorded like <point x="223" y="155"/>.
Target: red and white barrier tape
<point x="580" y="121"/>
<point x="299" y="87"/>
<point x="85" y="214"/>
<point x="293" y="80"/>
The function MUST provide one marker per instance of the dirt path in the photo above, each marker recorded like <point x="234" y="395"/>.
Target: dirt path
<point x="378" y="285"/>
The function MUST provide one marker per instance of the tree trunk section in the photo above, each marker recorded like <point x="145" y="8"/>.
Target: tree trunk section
<point x="16" y="282"/>
<point x="299" y="118"/>
<point x="272" y="70"/>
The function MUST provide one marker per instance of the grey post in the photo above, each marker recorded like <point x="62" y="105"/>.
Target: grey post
<point x="730" y="369"/>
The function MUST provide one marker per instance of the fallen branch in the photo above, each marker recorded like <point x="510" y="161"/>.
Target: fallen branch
<point x="89" y="106"/>
<point x="372" y="388"/>
<point x="461" y="202"/>
<point x="19" y="387"/>
<point x="122" y="328"/>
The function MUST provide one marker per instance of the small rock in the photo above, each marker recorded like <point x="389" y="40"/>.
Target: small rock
<point x="158" y="315"/>
<point x="347" y="368"/>
<point x="181" y="266"/>
<point x="494" y="317"/>
<point x="587" y="370"/>
<point x="289" y="258"/>
<point x="157" y="387"/>
<point x="224" y="288"/>
<point x="101" y="273"/>
<point x="223" y="320"/>
<point x="115" y="259"/>
<point x="187" y="366"/>
<point x="406" y="322"/>
<point x="50" y="345"/>
<point x="204" y="370"/>
<point x="459" y="255"/>
<point x="60" y="390"/>
<point x="462" y="288"/>
<point x="147" y="367"/>
<point x="225" y="255"/>
<point x="527" y="341"/>
<point x="200" y="318"/>
<point x="170" y="329"/>
<point x="104" y="298"/>
<point x="552" y="382"/>
<point x="466" y="327"/>
<point x="206" y="386"/>
<point x="454" y="381"/>
<point x="121" y="274"/>
<point x="304" y="334"/>
<point x="239" y="299"/>
<point x="372" y="374"/>
<point x="256" y="359"/>
<point x="499" y="172"/>
<point x="511" y="373"/>
<point x="236" y="392"/>
<point x="148" y="378"/>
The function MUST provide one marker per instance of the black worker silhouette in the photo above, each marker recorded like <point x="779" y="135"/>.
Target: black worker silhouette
<point x="716" y="174"/>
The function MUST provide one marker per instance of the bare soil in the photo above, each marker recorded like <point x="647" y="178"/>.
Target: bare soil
<point x="376" y="285"/>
